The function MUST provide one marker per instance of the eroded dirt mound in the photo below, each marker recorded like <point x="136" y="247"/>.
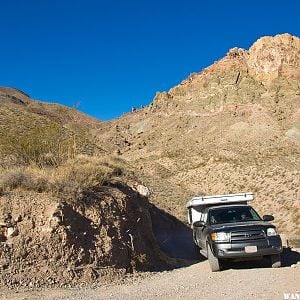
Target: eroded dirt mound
<point x="48" y="242"/>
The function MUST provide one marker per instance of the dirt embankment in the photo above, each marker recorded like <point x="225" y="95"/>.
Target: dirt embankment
<point x="46" y="242"/>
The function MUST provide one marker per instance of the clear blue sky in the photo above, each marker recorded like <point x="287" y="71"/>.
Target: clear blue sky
<point x="112" y="55"/>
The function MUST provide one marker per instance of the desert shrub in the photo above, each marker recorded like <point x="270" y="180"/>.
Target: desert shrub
<point x="13" y="179"/>
<point x="115" y="165"/>
<point x="71" y="179"/>
<point x="24" y="179"/>
<point x="47" y="145"/>
<point x="68" y="181"/>
<point x="173" y="153"/>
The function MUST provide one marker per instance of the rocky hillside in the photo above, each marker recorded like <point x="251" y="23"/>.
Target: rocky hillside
<point x="232" y="127"/>
<point x="72" y="182"/>
<point x="70" y="213"/>
<point x="31" y="130"/>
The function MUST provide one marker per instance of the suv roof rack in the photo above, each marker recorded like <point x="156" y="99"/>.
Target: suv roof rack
<point x="220" y="199"/>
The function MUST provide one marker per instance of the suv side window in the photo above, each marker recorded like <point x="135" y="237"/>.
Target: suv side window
<point x="204" y="217"/>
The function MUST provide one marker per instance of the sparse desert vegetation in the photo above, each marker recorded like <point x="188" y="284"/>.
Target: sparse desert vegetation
<point x="67" y="180"/>
<point x="70" y="181"/>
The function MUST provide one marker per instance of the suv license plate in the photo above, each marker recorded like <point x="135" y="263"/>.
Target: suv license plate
<point x="250" y="249"/>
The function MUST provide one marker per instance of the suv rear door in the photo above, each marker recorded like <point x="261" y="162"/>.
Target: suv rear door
<point x="201" y="232"/>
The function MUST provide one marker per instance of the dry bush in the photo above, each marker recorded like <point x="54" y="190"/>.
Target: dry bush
<point x="47" y="145"/>
<point x="24" y="178"/>
<point x="67" y="181"/>
<point x="76" y="176"/>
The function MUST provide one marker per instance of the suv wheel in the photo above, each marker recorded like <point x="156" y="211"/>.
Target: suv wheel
<point x="276" y="261"/>
<point x="196" y="251"/>
<point x="213" y="261"/>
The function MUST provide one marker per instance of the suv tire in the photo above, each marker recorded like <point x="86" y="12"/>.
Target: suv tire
<point x="196" y="252"/>
<point x="213" y="261"/>
<point x="276" y="261"/>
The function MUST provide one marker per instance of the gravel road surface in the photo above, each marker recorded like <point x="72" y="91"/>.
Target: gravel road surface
<point x="247" y="280"/>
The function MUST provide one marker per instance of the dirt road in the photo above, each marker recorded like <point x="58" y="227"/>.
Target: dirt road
<point x="251" y="280"/>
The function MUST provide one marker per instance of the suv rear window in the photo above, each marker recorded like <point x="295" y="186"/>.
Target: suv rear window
<point x="233" y="215"/>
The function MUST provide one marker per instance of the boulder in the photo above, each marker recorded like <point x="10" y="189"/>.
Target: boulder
<point x="143" y="190"/>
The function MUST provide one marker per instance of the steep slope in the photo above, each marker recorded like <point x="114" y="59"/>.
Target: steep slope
<point x="70" y="213"/>
<point x="29" y="129"/>
<point x="234" y="126"/>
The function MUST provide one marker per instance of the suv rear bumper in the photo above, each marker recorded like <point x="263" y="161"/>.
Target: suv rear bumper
<point x="268" y="246"/>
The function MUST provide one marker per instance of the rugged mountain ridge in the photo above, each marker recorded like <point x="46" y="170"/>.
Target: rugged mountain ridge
<point x="233" y="127"/>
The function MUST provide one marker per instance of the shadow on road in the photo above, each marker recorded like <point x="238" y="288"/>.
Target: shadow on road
<point x="288" y="258"/>
<point x="174" y="237"/>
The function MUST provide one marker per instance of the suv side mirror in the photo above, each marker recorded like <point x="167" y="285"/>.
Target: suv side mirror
<point x="199" y="224"/>
<point x="268" y="218"/>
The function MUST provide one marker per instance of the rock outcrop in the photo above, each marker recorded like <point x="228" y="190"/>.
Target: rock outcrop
<point x="232" y="127"/>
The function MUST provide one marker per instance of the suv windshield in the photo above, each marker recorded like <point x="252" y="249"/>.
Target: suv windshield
<point x="233" y="214"/>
